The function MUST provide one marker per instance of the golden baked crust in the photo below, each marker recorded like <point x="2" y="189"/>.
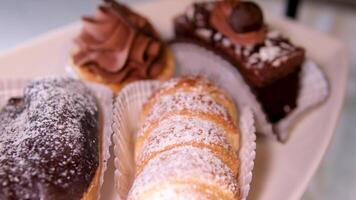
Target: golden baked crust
<point x="187" y="144"/>
<point x="196" y="85"/>
<point x="191" y="84"/>
<point x="180" y="130"/>
<point x="169" y="174"/>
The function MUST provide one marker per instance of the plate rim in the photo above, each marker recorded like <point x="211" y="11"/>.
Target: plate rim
<point x="299" y="191"/>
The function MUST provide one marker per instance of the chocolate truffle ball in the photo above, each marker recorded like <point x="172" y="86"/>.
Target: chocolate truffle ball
<point x="246" y="17"/>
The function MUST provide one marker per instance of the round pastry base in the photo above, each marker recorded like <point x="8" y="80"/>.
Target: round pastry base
<point x="85" y="74"/>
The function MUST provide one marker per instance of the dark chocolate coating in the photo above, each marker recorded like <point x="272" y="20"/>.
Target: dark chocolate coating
<point x="246" y="17"/>
<point x="49" y="141"/>
<point x="279" y="98"/>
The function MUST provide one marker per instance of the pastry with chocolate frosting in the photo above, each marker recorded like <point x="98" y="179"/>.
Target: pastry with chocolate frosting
<point x="118" y="46"/>
<point x="268" y="61"/>
<point x="49" y="142"/>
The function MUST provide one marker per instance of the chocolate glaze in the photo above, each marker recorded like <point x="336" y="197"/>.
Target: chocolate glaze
<point x="264" y="65"/>
<point x="279" y="98"/>
<point x="49" y="141"/>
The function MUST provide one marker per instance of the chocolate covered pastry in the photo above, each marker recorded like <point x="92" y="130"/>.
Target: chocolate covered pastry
<point x="49" y="142"/>
<point x="269" y="62"/>
<point x="118" y="46"/>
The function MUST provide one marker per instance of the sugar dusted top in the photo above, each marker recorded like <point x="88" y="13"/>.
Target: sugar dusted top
<point x="178" y="130"/>
<point x="185" y="163"/>
<point x="195" y="84"/>
<point x="49" y="141"/>
<point x="190" y="101"/>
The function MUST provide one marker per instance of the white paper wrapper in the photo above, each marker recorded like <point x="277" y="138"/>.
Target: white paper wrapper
<point x="70" y="71"/>
<point x="193" y="59"/>
<point x="14" y="88"/>
<point x="127" y="108"/>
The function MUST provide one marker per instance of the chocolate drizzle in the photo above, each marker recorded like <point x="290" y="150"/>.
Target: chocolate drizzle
<point x="119" y="45"/>
<point x="49" y="141"/>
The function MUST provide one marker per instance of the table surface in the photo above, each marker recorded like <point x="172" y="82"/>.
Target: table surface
<point x="336" y="178"/>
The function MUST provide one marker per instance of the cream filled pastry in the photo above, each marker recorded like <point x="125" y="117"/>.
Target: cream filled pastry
<point x="188" y="144"/>
<point x="118" y="46"/>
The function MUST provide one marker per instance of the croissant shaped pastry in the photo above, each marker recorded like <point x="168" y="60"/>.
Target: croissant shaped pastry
<point x="187" y="146"/>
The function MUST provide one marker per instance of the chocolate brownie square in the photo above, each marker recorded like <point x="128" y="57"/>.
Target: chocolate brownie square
<point x="270" y="67"/>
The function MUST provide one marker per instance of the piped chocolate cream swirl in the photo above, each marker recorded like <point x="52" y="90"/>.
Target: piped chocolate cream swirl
<point x="119" y="45"/>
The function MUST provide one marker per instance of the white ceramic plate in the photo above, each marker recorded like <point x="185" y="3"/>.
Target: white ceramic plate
<point x="282" y="171"/>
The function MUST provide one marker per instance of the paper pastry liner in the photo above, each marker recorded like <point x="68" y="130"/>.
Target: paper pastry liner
<point x="70" y="71"/>
<point x="193" y="59"/>
<point x="15" y="88"/>
<point x="127" y="108"/>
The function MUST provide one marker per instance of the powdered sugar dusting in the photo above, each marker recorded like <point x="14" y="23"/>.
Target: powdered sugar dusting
<point x="192" y="101"/>
<point x="177" y="130"/>
<point x="181" y="147"/>
<point x="196" y="84"/>
<point x="185" y="163"/>
<point x="170" y="84"/>
<point x="49" y="140"/>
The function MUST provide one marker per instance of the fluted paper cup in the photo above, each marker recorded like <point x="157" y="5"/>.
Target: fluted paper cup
<point x="127" y="108"/>
<point x="313" y="90"/>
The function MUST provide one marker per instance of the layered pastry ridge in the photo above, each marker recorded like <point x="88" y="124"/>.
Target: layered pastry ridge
<point x="187" y="146"/>
<point x="185" y="172"/>
<point x="49" y="142"/>
<point x="192" y="84"/>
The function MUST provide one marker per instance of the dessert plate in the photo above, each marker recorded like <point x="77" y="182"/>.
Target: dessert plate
<point x="282" y="171"/>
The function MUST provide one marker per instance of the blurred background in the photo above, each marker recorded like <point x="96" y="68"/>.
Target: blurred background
<point x="336" y="176"/>
<point x="22" y="20"/>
